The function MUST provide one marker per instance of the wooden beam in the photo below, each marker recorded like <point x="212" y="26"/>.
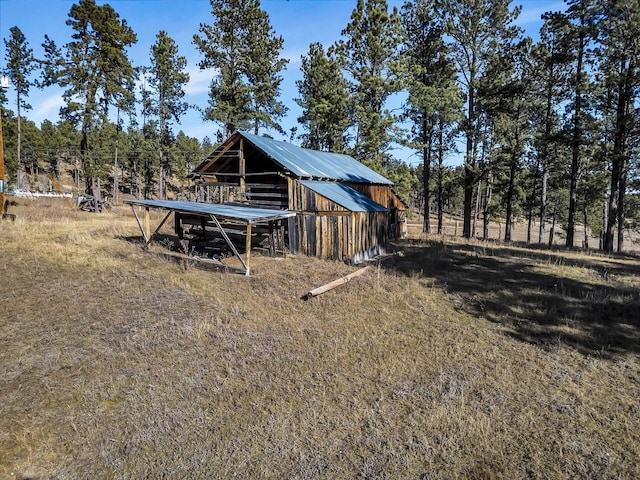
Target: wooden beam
<point x="242" y="167"/>
<point x="331" y="285"/>
<point x="159" y="226"/>
<point x="230" y="244"/>
<point x="147" y="225"/>
<point x="247" y="254"/>
<point x="135" y="214"/>
<point x="214" y="158"/>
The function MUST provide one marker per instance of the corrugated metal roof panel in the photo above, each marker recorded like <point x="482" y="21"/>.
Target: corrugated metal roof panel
<point x="246" y="214"/>
<point x="344" y="196"/>
<point x="304" y="162"/>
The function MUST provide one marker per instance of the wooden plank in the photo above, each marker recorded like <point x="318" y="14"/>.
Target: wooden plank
<point x="263" y="194"/>
<point x="135" y="214"/>
<point x="266" y="203"/>
<point x="159" y="226"/>
<point x="230" y="243"/>
<point x="242" y="166"/>
<point x="147" y="225"/>
<point x="331" y="285"/>
<point x="247" y="253"/>
<point x="212" y="160"/>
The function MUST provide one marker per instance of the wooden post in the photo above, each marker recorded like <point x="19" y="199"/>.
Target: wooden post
<point x="2" y="171"/>
<point x="331" y="285"/>
<point x="272" y="239"/>
<point x="147" y="224"/>
<point x="247" y="254"/>
<point x="242" y="167"/>
<point x="4" y="85"/>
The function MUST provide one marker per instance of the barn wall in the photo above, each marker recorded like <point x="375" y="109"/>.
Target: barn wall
<point x="304" y="199"/>
<point x="326" y="230"/>
<point x="385" y="196"/>
<point x="382" y="194"/>
<point x="338" y="237"/>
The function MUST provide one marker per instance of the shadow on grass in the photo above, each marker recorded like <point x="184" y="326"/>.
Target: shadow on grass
<point x="545" y="298"/>
<point x="169" y="248"/>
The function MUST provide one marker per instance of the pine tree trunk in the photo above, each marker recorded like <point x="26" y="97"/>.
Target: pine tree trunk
<point x="532" y="201"/>
<point x="469" y="176"/>
<point x="440" y="187"/>
<point x="427" y="139"/>
<point x="116" y="184"/>
<point x="619" y="159"/>
<point x="577" y="138"/>
<point x="585" y="218"/>
<point x="476" y="212"/>
<point x="510" y="190"/>
<point x="543" y="205"/>
<point x="487" y="202"/>
<point x="621" y="217"/>
<point x="19" y="152"/>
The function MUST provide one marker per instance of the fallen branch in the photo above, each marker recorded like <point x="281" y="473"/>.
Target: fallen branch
<point x="331" y="285"/>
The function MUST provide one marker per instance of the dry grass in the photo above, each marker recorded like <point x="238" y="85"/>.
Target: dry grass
<point x="452" y="360"/>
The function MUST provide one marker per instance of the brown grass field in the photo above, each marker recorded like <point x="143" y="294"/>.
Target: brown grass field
<point x="447" y="360"/>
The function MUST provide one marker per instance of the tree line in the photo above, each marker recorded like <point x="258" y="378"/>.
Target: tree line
<point x="544" y="130"/>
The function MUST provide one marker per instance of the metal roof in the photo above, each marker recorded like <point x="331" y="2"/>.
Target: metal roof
<point x="344" y="196"/>
<point x="233" y="212"/>
<point x="307" y="163"/>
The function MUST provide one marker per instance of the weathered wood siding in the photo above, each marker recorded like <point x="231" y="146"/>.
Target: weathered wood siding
<point x="385" y="196"/>
<point x="338" y="237"/>
<point x="382" y="194"/>
<point x="327" y="230"/>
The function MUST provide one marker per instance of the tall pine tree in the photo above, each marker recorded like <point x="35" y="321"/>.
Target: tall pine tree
<point x="93" y="69"/>
<point x="243" y="49"/>
<point x="20" y="63"/>
<point x="477" y="30"/>
<point x="324" y="100"/>
<point x="167" y="79"/>
<point x="368" y="53"/>
<point x="434" y="99"/>
<point x="620" y="67"/>
<point x="549" y="86"/>
<point x="581" y="33"/>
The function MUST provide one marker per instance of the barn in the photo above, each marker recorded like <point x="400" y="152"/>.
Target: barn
<point x="343" y="209"/>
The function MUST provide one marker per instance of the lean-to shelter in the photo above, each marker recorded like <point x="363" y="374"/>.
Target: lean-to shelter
<point x="344" y="210"/>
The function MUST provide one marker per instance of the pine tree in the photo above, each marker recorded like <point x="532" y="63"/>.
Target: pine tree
<point x="507" y="100"/>
<point x="20" y="63"/>
<point x="263" y="74"/>
<point x="245" y="52"/>
<point x="549" y="85"/>
<point x="168" y="79"/>
<point x="93" y="69"/>
<point x="581" y="16"/>
<point x="476" y="29"/>
<point x="428" y="75"/>
<point x="620" y="67"/>
<point x="324" y="100"/>
<point x="368" y="53"/>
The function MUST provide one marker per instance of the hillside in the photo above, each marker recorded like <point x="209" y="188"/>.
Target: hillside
<point x="448" y="360"/>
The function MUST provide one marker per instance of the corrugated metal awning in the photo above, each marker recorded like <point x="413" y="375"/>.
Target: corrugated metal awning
<point x="230" y="212"/>
<point x="248" y="216"/>
<point x="344" y="196"/>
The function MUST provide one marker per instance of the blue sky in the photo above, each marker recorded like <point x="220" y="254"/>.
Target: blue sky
<point x="299" y="22"/>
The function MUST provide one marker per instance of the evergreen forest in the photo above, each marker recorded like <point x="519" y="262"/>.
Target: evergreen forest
<point x="537" y="132"/>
